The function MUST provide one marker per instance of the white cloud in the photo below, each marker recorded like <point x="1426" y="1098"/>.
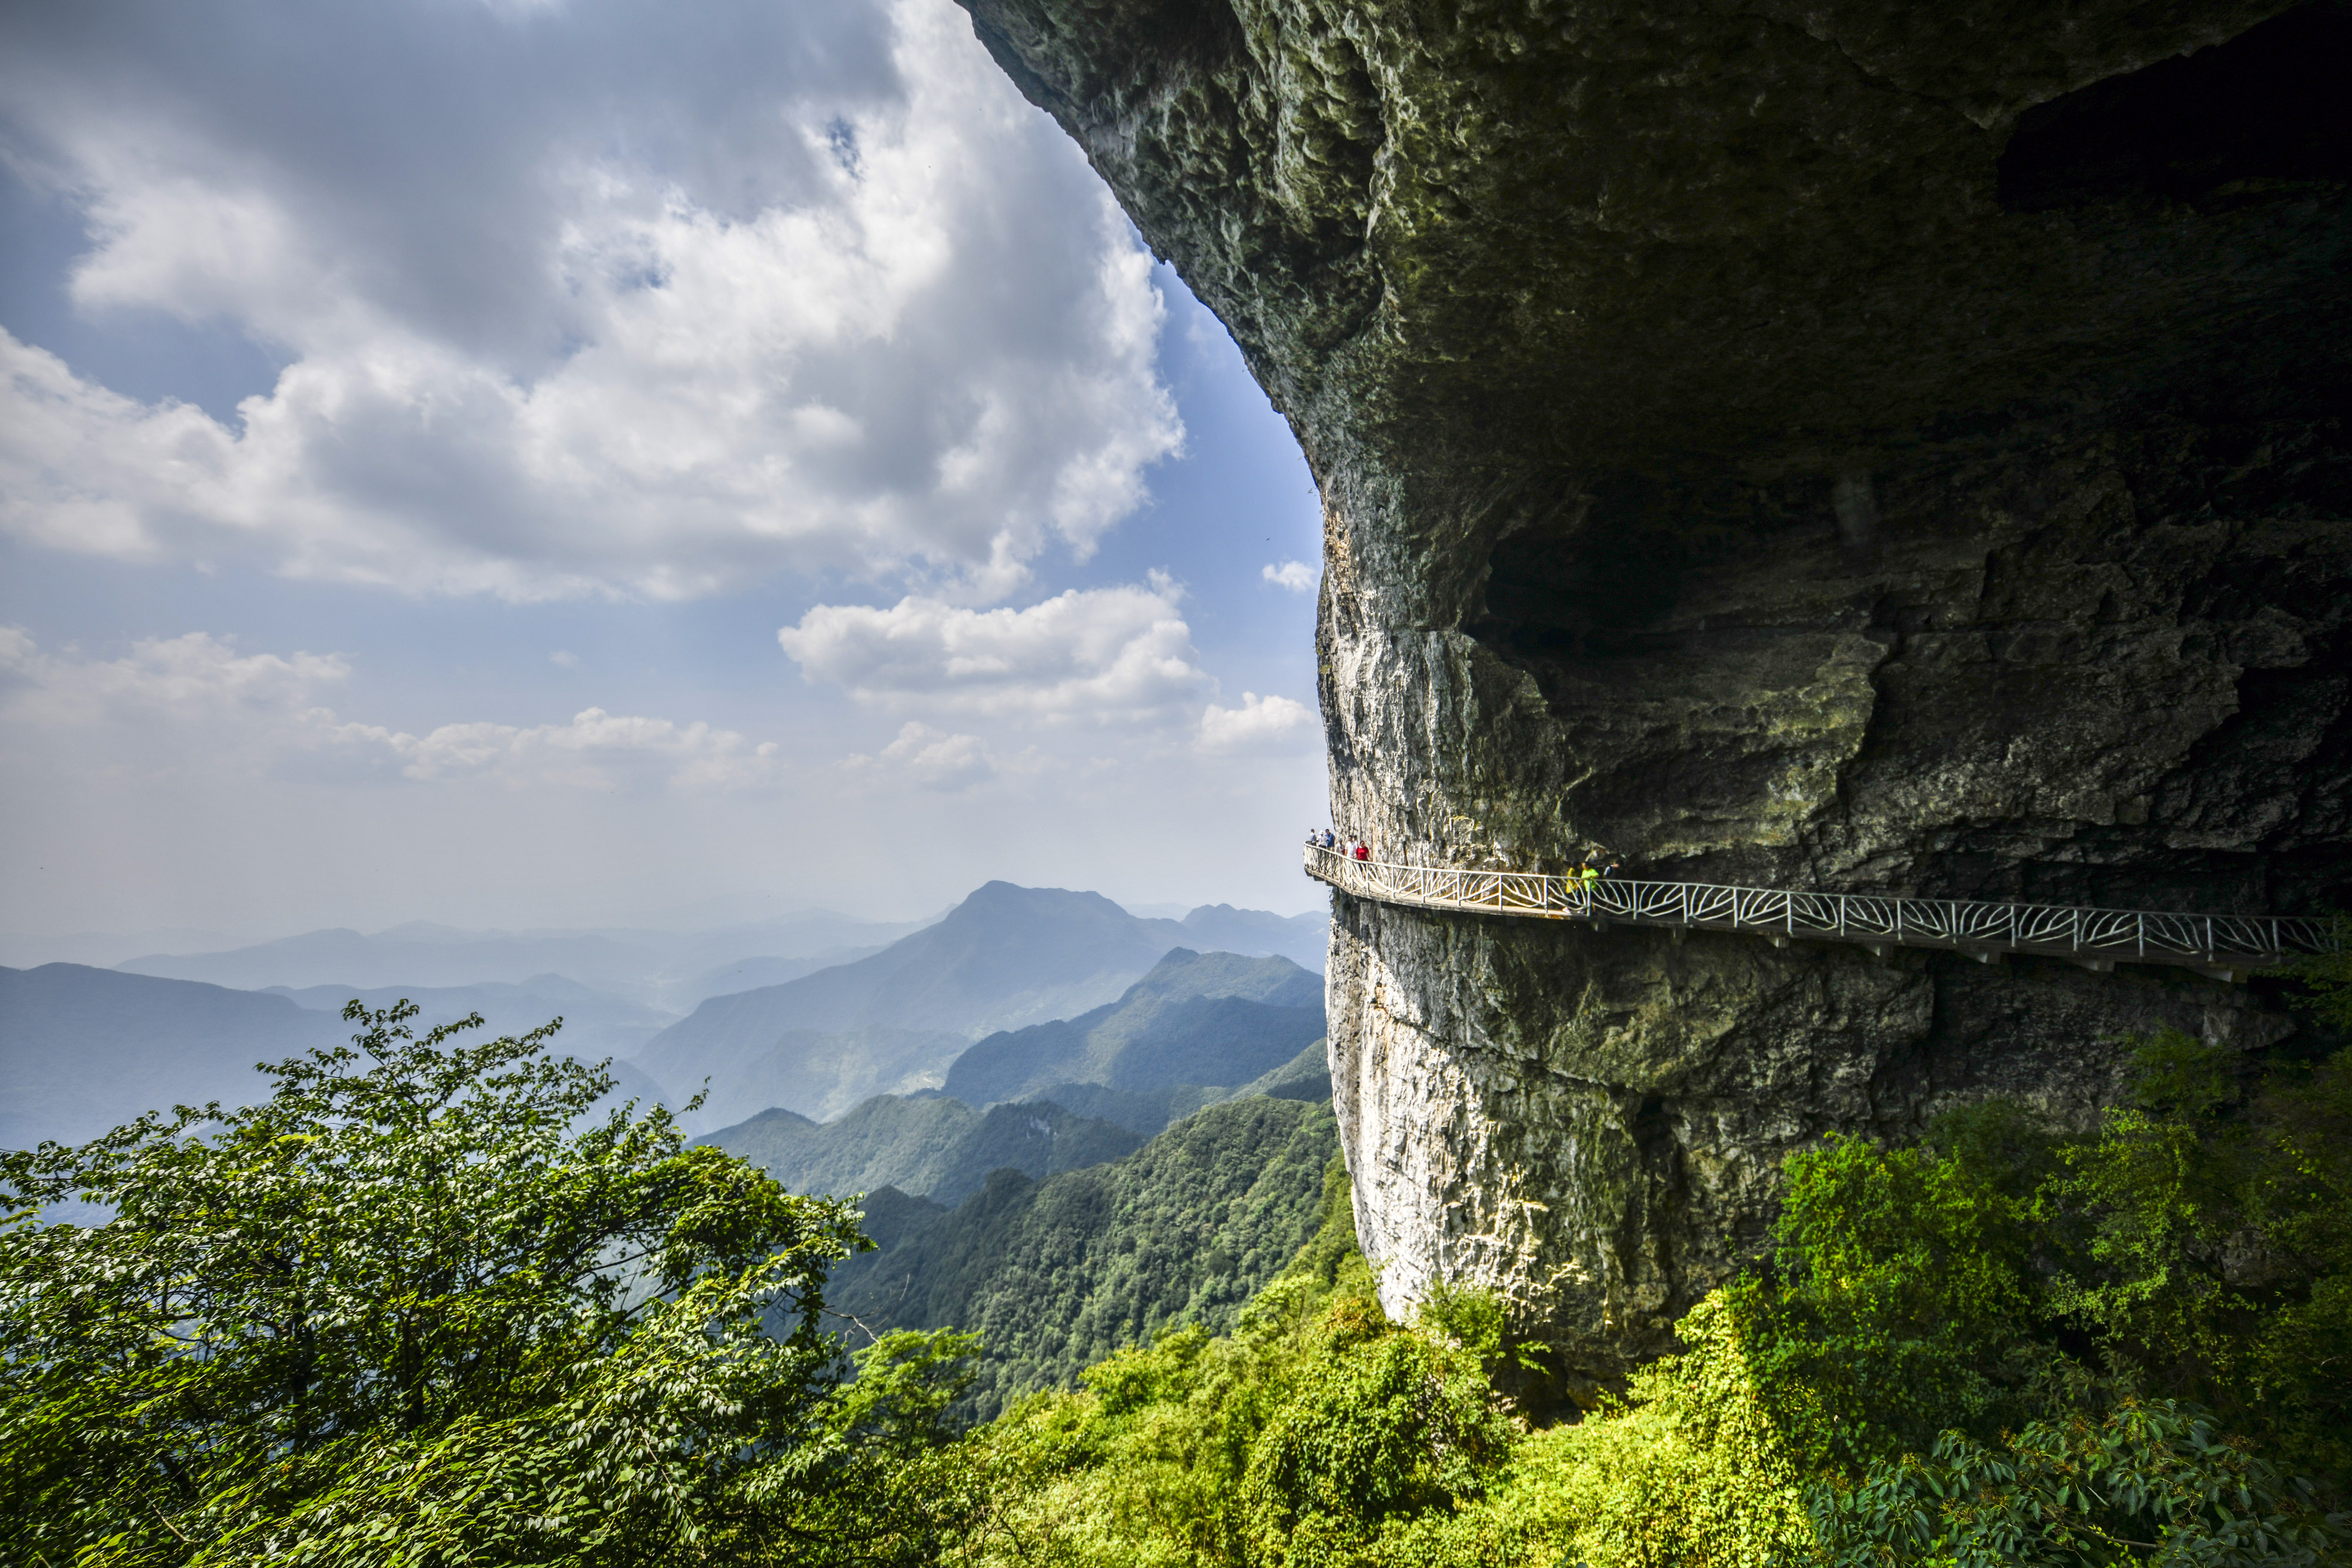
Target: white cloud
<point x="1121" y="653"/>
<point x="936" y="760"/>
<point x="1258" y="722"/>
<point x="905" y="332"/>
<point x="597" y="750"/>
<point x="195" y="702"/>
<point x="193" y="678"/>
<point x="1295" y="575"/>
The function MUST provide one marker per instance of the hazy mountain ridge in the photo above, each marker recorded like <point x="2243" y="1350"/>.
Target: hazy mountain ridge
<point x="85" y="1050"/>
<point x="80" y="1050"/>
<point x="934" y="1146"/>
<point x="659" y="969"/>
<point x="80" y="1053"/>
<point x="1195" y="1018"/>
<point x="1149" y="1111"/>
<point x="1304" y="939"/>
<point x="816" y="1073"/>
<point x="931" y="1147"/>
<point x="1005" y="958"/>
<point x="595" y="1025"/>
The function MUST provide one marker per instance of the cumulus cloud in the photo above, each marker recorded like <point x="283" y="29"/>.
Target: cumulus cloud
<point x="584" y="301"/>
<point x="1295" y="575"/>
<point x="1258" y="722"/>
<point x="1104" y="653"/>
<point x="194" y="699"/>
<point x="935" y="758"/>
<point x="196" y="677"/>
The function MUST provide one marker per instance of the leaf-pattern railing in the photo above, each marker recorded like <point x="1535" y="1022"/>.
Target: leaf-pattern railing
<point x="2131" y="935"/>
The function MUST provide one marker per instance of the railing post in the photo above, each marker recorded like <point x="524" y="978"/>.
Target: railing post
<point x="2140" y="923"/>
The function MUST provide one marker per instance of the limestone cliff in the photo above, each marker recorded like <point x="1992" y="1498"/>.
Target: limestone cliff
<point x="1850" y="445"/>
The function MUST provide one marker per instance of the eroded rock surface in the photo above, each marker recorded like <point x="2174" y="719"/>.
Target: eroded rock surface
<point x="1857" y="446"/>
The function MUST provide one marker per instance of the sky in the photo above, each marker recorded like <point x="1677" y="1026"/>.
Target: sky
<point x="537" y="463"/>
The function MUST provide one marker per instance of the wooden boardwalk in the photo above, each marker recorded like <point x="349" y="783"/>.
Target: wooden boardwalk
<point x="2223" y="945"/>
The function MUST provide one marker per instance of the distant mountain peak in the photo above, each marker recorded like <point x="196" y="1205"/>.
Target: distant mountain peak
<point x="990" y="896"/>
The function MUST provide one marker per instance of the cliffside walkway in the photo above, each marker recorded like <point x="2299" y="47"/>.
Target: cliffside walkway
<point x="2222" y="946"/>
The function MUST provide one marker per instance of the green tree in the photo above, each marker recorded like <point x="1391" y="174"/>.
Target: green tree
<point x="2140" y="1481"/>
<point x="1904" y="1289"/>
<point x="2219" y="1242"/>
<point x="416" y="1307"/>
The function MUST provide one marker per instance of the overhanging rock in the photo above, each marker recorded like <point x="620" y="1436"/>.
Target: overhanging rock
<point x="1843" y="446"/>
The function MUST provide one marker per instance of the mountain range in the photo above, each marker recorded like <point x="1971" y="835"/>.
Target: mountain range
<point x="940" y="1149"/>
<point x="81" y="1051"/>
<point x="659" y="969"/>
<point x="1195" y="1018"/>
<point x="85" y="1050"/>
<point x="1005" y="958"/>
<point x="595" y="1023"/>
<point x="928" y="1144"/>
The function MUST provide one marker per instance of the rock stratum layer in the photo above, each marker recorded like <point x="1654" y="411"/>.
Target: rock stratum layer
<point x="1853" y="445"/>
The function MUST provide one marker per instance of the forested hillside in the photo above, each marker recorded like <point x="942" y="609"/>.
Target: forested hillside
<point x="1055" y="1274"/>
<point x="932" y="1145"/>
<point x="929" y="1146"/>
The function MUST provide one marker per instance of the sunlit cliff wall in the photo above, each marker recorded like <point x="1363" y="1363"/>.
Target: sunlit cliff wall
<point x="1850" y="447"/>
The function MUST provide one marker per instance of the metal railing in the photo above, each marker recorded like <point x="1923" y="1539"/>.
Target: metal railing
<point x="2096" y="938"/>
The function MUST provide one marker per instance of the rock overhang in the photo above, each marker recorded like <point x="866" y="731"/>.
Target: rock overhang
<point x="1538" y="235"/>
<point x="1852" y="446"/>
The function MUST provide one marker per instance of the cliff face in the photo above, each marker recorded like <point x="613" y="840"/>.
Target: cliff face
<point x="1847" y="446"/>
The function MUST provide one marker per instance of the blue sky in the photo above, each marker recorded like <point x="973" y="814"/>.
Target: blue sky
<point x="527" y="464"/>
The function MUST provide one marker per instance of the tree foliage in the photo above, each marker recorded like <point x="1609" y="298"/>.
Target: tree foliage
<point x="1059" y="1273"/>
<point x="1298" y="1440"/>
<point x="412" y="1308"/>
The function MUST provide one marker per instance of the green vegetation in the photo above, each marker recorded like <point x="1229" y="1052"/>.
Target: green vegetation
<point x="1998" y="1347"/>
<point x="1055" y="1274"/>
<point x="936" y="1147"/>
<point x="402" y="1313"/>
